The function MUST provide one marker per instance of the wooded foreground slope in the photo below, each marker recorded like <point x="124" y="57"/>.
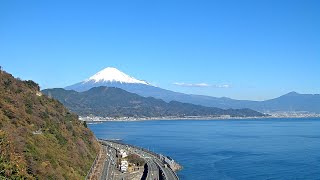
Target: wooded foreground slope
<point x="39" y="137"/>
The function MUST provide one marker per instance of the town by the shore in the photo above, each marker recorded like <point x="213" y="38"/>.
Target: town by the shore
<point x="97" y="119"/>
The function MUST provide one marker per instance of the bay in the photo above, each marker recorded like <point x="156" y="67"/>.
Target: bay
<point x="228" y="149"/>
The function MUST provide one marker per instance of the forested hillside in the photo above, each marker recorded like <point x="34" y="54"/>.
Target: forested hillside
<point x="115" y="102"/>
<point x="39" y="137"/>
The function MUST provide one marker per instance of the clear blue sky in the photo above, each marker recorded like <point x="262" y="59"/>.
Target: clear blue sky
<point x="242" y="49"/>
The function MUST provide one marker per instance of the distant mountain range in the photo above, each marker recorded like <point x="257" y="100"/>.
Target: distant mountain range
<point x="112" y="77"/>
<point x="115" y="102"/>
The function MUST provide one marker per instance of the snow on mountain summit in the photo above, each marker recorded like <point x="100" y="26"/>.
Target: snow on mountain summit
<point x="111" y="74"/>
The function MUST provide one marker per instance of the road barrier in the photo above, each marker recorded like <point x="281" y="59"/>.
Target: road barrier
<point x="142" y="149"/>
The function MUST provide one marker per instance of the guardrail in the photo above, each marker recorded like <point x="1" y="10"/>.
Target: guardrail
<point x="142" y="149"/>
<point x="133" y="146"/>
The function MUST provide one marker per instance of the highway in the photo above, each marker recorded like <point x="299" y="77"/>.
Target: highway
<point x="153" y="162"/>
<point x="108" y="169"/>
<point x="153" y="170"/>
<point x="168" y="173"/>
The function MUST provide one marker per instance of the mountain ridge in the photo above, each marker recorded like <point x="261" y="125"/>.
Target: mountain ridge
<point x="310" y="102"/>
<point x="115" y="102"/>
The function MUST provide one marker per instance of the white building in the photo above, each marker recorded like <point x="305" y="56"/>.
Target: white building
<point x="124" y="166"/>
<point x="123" y="153"/>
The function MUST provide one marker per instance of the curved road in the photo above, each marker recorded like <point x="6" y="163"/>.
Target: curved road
<point x="153" y="162"/>
<point x="168" y="173"/>
<point x="153" y="171"/>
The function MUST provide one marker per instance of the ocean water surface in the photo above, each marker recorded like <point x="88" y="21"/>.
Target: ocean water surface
<point x="228" y="149"/>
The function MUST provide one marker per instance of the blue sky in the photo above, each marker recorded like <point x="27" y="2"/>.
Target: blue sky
<point x="241" y="49"/>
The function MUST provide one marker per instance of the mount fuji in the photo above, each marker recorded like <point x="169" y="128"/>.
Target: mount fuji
<point x="109" y="76"/>
<point x="112" y="77"/>
<point x="112" y="74"/>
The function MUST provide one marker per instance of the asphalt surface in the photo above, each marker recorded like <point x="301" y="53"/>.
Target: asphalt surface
<point x="108" y="170"/>
<point x="168" y="173"/>
<point x="153" y="170"/>
<point x="153" y="162"/>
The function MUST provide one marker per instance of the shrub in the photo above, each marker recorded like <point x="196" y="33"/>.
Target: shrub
<point x="7" y="83"/>
<point x="32" y="84"/>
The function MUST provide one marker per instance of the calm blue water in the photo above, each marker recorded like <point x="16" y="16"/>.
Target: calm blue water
<point x="228" y="149"/>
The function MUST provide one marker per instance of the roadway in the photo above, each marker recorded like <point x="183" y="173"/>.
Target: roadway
<point x="153" y="170"/>
<point x="167" y="172"/>
<point x="109" y="165"/>
<point x="153" y="162"/>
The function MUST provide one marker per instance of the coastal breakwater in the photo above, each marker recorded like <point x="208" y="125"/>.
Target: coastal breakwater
<point x="156" y="167"/>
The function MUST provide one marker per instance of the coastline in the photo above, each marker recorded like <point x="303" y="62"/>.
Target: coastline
<point x="178" y="139"/>
<point x="164" y="164"/>
<point x="96" y="119"/>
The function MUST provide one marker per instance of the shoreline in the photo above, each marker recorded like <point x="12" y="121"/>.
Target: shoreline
<point x="165" y="164"/>
<point x="132" y="119"/>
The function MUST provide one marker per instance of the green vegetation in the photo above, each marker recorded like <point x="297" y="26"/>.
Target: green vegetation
<point x="39" y="137"/>
<point x="115" y="102"/>
<point x="135" y="159"/>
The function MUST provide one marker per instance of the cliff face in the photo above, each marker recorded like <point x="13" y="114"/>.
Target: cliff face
<point x="39" y="137"/>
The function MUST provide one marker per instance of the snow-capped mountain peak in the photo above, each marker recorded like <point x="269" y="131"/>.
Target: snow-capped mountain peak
<point x="111" y="74"/>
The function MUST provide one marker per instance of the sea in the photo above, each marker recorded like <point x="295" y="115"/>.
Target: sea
<point x="228" y="149"/>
